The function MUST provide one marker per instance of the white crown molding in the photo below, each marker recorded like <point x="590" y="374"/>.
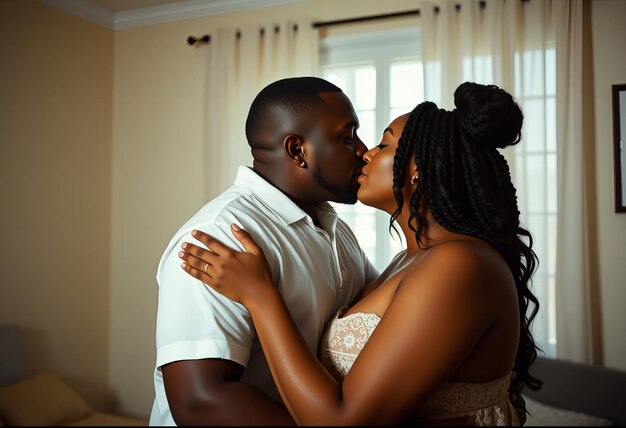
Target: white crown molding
<point x="188" y="10"/>
<point x="157" y="14"/>
<point x="89" y="11"/>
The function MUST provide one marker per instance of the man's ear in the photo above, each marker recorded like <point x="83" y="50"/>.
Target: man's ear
<point x="294" y="148"/>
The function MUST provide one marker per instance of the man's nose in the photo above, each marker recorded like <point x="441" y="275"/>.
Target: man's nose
<point x="361" y="148"/>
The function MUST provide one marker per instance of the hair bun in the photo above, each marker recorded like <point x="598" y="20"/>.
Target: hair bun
<point x="488" y="115"/>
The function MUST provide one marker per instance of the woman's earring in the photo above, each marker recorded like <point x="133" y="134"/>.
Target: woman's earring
<point x="414" y="179"/>
<point x="303" y="164"/>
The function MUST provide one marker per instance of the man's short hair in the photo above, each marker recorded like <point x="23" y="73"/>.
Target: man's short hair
<point x="299" y="95"/>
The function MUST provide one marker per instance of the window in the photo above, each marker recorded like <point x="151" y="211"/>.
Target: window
<point x="382" y="73"/>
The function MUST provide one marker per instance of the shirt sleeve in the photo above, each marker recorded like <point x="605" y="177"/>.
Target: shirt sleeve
<point x="194" y="321"/>
<point x="371" y="273"/>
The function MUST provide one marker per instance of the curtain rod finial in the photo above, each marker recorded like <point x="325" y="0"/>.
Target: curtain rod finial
<point x="192" y="40"/>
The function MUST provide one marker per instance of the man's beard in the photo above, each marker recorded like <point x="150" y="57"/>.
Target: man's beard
<point x="345" y="195"/>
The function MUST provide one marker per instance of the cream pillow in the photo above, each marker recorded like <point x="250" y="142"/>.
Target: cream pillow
<point x="544" y="415"/>
<point x="41" y="400"/>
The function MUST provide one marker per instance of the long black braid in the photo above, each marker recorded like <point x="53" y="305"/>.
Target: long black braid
<point x="466" y="183"/>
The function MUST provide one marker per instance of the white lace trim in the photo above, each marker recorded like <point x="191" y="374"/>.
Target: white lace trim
<point x="344" y="339"/>
<point x="487" y="402"/>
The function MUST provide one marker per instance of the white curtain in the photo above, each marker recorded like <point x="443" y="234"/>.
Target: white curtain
<point x="575" y="288"/>
<point x="532" y="49"/>
<point x="241" y="62"/>
<point x="485" y="42"/>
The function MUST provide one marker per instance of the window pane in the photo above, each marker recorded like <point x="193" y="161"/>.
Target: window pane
<point x="396" y="243"/>
<point x="551" y="72"/>
<point x="551" y="244"/>
<point x="551" y="125"/>
<point x="365" y="81"/>
<point x="483" y="70"/>
<point x="551" y="310"/>
<point x="517" y="73"/>
<point x="536" y="179"/>
<point x="365" y="225"/>
<point x="367" y="130"/>
<point x="478" y="69"/>
<point x="362" y="220"/>
<point x="338" y="76"/>
<point x="407" y="88"/>
<point x="433" y="90"/>
<point x="533" y="73"/>
<point x="395" y="112"/>
<point x="551" y="183"/>
<point x="537" y="227"/>
<point x="533" y="133"/>
<point x="348" y="77"/>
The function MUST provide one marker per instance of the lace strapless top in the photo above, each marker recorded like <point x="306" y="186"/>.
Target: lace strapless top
<point x="488" y="403"/>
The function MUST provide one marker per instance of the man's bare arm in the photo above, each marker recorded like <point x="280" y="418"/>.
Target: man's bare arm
<point x="209" y="392"/>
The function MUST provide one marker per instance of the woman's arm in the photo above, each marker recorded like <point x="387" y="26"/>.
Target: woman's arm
<point x="426" y="333"/>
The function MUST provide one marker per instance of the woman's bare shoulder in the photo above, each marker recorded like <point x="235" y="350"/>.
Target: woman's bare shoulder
<point x="465" y="263"/>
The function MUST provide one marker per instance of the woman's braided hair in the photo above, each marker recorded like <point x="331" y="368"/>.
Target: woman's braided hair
<point x="465" y="182"/>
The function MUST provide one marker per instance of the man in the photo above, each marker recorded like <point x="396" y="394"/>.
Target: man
<point x="210" y="368"/>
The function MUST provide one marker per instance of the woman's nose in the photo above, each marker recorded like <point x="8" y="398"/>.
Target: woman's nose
<point x="367" y="156"/>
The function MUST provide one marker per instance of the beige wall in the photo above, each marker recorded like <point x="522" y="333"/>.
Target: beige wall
<point x="609" y="34"/>
<point x="55" y="169"/>
<point x="121" y="184"/>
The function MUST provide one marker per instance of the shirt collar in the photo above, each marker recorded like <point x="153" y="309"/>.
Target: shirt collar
<point x="275" y="200"/>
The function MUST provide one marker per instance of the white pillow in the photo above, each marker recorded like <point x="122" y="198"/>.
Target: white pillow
<point x="41" y="400"/>
<point x="544" y="415"/>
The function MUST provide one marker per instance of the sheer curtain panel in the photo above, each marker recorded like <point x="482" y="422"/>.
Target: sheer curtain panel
<point x="241" y="61"/>
<point x="575" y="310"/>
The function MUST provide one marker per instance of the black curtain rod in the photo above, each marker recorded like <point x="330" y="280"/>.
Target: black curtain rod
<point x="482" y="4"/>
<point x="191" y="40"/>
<point x="366" y="18"/>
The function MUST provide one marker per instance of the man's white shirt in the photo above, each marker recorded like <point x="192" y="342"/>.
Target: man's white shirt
<point x="317" y="272"/>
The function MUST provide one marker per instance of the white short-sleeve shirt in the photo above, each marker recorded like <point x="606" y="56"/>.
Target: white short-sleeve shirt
<point x="316" y="270"/>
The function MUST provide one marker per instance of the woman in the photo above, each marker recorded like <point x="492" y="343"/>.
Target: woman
<point x="444" y="330"/>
